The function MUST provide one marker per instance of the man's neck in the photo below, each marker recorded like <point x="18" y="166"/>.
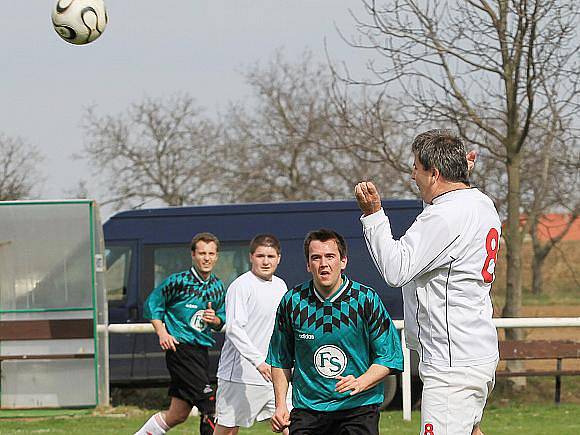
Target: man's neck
<point x="448" y="187"/>
<point x="329" y="293"/>
<point x="203" y="275"/>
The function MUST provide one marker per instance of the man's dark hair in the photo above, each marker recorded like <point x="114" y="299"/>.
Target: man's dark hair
<point x="204" y="237"/>
<point x="443" y="150"/>
<point x="267" y="240"/>
<point x="324" y="235"/>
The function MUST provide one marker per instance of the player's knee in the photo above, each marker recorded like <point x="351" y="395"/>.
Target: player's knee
<point x="180" y="417"/>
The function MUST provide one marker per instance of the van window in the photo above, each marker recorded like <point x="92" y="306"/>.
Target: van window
<point x="233" y="261"/>
<point x="118" y="260"/>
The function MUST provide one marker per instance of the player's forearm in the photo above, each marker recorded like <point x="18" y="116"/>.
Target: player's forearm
<point x="159" y="327"/>
<point x="280" y="380"/>
<point x="421" y="249"/>
<point x="375" y="374"/>
<point x="243" y="344"/>
<point x="382" y="247"/>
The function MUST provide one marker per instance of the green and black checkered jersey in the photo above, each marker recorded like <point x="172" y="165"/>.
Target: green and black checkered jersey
<point x="323" y="338"/>
<point x="179" y="302"/>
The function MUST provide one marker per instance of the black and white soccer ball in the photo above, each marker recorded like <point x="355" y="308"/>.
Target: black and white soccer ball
<point x="79" y="21"/>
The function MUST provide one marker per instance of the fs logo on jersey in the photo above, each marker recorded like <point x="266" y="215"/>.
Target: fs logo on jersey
<point x="197" y="321"/>
<point x="330" y="361"/>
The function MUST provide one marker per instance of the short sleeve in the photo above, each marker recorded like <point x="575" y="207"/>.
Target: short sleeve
<point x="281" y="349"/>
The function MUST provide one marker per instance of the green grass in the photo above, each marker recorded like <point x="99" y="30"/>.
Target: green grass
<point x="538" y="390"/>
<point x="531" y="419"/>
<point x="43" y="413"/>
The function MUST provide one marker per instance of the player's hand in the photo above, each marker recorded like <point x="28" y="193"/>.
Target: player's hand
<point x="167" y="341"/>
<point x="281" y="419"/>
<point x="348" y="383"/>
<point x="368" y="198"/>
<point x="266" y="371"/>
<point x="471" y="158"/>
<point x="209" y="316"/>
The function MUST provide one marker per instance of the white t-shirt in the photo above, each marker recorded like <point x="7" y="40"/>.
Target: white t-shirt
<point x="251" y="305"/>
<point x="445" y="264"/>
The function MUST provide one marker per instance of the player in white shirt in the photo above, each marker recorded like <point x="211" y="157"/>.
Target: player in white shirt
<point x="445" y="264"/>
<point x="245" y="393"/>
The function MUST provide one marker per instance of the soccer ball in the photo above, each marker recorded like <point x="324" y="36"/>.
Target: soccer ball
<point x="79" y="21"/>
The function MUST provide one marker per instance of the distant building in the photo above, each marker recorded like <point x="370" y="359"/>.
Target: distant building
<point x="553" y="224"/>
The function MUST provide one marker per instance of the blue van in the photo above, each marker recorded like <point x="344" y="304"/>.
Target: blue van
<point x="144" y="246"/>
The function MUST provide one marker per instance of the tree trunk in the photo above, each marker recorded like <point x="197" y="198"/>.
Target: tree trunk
<point x="514" y="238"/>
<point x="537" y="275"/>
<point x="539" y="255"/>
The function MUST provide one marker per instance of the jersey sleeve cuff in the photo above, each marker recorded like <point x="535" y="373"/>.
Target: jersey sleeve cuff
<point x="395" y="366"/>
<point x="278" y="365"/>
<point x="373" y="219"/>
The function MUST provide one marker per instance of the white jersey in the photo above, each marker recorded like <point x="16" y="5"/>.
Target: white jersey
<point x="251" y="305"/>
<point x="445" y="264"/>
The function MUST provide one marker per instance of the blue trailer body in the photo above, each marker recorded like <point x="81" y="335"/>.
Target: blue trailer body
<point x="143" y="246"/>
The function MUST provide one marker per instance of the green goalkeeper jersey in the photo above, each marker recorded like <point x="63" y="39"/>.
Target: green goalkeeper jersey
<point x="179" y="302"/>
<point x="323" y="338"/>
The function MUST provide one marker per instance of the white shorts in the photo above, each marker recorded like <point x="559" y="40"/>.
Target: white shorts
<point x="454" y="397"/>
<point x="242" y="405"/>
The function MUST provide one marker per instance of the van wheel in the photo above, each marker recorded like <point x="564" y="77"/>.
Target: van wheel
<point x="390" y="389"/>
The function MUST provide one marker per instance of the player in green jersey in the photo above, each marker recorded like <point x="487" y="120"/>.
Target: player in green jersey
<point x="335" y="340"/>
<point x="184" y="310"/>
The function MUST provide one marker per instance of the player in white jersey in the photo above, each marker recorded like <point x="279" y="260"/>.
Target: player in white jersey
<point x="245" y="393"/>
<point x="445" y="264"/>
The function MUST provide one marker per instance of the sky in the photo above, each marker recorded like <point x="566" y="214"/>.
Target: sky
<point x="149" y="49"/>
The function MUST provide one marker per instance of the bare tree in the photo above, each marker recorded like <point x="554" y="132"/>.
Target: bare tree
<point x="553" y="185"/>
<point x="283" y="145"/>
<point x="493" y="69"/>
<point x="19" y="173"/>
<point x="542" y="249"/>
<point x="157" y="150"/>
<point x="372" y="130"/>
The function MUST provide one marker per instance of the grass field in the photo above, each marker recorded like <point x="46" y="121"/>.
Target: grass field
<point x="530" y="419"/>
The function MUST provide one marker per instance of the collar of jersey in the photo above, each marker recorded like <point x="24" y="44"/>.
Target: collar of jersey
<point x="447" y="196"/>
<point x="341" y="290"/>
<point x="196" y="275"/>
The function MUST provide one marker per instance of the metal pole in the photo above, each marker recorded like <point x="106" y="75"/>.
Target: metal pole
<point x="406" y="379"/>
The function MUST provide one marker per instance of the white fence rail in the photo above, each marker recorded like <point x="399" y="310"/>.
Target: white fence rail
<point x="519" y="322"/>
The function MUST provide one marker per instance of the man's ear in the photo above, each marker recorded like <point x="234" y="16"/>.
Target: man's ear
<point x="435" y="174"/>
<point x="343" y="264"/>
